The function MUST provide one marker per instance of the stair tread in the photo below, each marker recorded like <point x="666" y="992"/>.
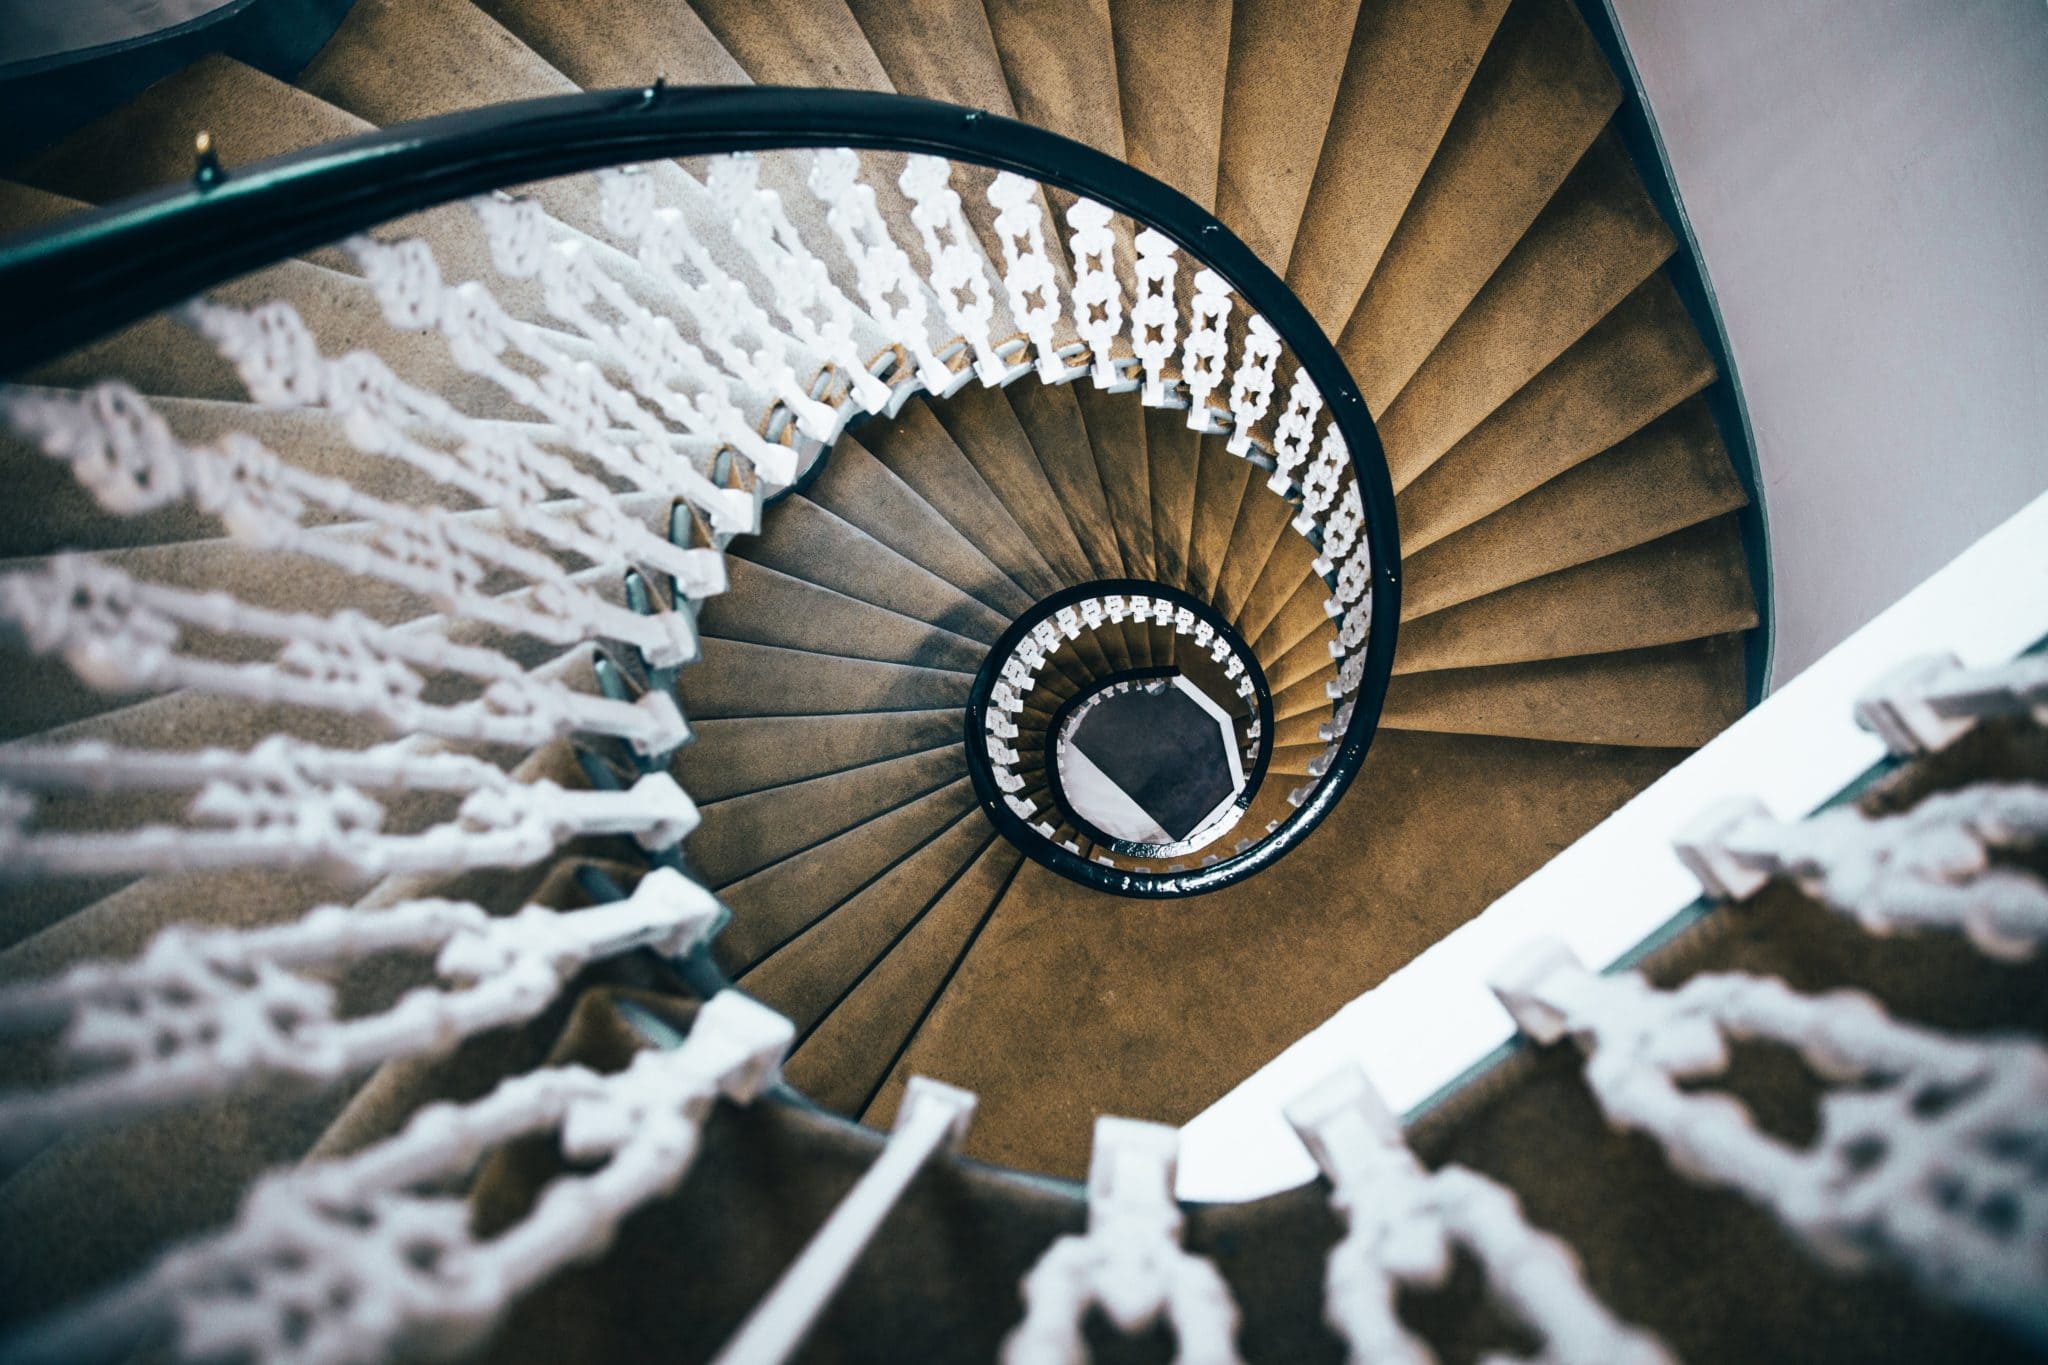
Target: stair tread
<point x="1116" y="433"/>
<point x="1689" y="584"/>
<point x="1538" y="97"/>
<point x="778" y="901"/>
<point x="620" y="43"/>
<point x="1408" y="70"/>
<point x="865" y="493"/>
<point x="846" y="1058"/>
<point x="1672" y="474"/>
<point x="1059" y="60"/>
<point x="1286" y="62"/>
<point x="1111" y="1032"/>
<point x="804" y="978"/>
<point x="805" y="540"/>
<point x="1172" y="63"/>
<point x="1671" y="696"/>
<point x="1174" y="454"/>
<point x="735" y="757"/>
<point x="743" y="834"/>
<point x="919" y="451"/>
<point x="1220" y="482"/>
<point x="738" y="678"/>
<point x="1593" y="244"/>
<point x="1636" y="364"/>
<point x="765" y="606"/>
<point x="984" y="428"/>
<point x="1050" y="418"/>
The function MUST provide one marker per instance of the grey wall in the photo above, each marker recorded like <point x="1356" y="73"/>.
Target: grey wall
<point x="1868" y="182"/>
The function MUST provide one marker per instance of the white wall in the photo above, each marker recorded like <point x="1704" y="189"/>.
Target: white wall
<point x="1868" y="181"/>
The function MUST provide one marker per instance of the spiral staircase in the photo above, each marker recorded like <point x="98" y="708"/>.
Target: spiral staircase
<point x="874" y="590"/>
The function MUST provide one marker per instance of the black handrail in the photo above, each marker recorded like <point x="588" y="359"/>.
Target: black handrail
<point x="88" y="275"/>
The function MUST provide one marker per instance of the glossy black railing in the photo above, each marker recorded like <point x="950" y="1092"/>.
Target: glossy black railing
<point x="91" y="274"/>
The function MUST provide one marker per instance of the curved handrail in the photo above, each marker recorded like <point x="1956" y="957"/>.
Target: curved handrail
<point x="88" y="275"/>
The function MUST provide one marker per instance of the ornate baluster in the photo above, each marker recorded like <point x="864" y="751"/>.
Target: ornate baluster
<point x="1403" y="1223"/>
<point x="286" y="803"/>
<point x="1926" y="704"/>
<point x="1129" y="1263"/>
<point x="1319" y="486"/>
<point x="1028" y="278"/>
<point x="1251" y="389"/>
<point x="733" y="328"/>
<point x="120" y="634"/>
<point x="1155" y="316"/>
<point x="666" y="369"/>
<point x="1294" y="433"/>
<point x="362" y="1257"/>
<point x="958" y="271"/>
<point x="1927" y="868"/>
<point x="1347" y="680"/>
<point x="889" y="285"/>
<point x="932" y="1118"/>
<point x="206" y="1011"/>
<point x="1207" y="347"/>
<point x="126" y="456"/>
<point x="1098" y="293"/>
<point x="817" y="313"/>
<point x="1341" y="532"/>
<point x="1928" y="1148"/>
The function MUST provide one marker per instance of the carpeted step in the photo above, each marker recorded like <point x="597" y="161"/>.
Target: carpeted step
<point x="1298" y="618"/>
<point x="1059" y="61"/>
<point x="1671" y="696"/>
<point x="776" y="903"/>
<point x="743" y="834"/>
<point x="1115" y="424"/>
<point x="1286" y="62"/>
<point x="984" y="428"/>
<point x="916" y="975"/>
<point x="1534" y="104"/>
<point x="727" y="758"/>
<point x="1673" y="474"/>
<point x="1308" y="660"/>
<point x="620" y="43"/>
<point x="804" y="540"/>
<point x="1410" y="64"/>
<point x="1112" y="1032"/>
<point x="767" y="607"/>
<point x="1175" y="455"/>
<point x="1636" y="364"/>
<point x="1289" y="564"/>
<point x="1262" y="519"/>
<point x="1220" y="482"/>
<point x="1589" y="249"/>
<point x="737" y="678"/>
<point x="1689" y="584"/>
<point x="918" y="450"/>
<point x="805" y="978"/>
<point x="866" y="494"/>
<point x="1172" y="66"/>
<point x="1050" y="417"/>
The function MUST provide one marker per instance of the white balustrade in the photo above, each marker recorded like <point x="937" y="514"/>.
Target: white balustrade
<point x="1098" y="300"/>
<point x="1927" y="868"/>
<point x="958" y="271"/>
<point x="121" y="634"/>
<point x="1028" y="278"/>
<point x="931" y="1118"/>
<point x="127" y="457"/>
<point x="206" y="1011"/>
<point x="1295" y="433"/>
<point x="367" y="1256"/>
<point x="818" y="315"/>
<point x="1404" y="1224"/>
<point x="1129" y="1263"/>
<point x="1155" y="315"/>
<point x="889" y="285"/>
<point x="1251" y="388"/>
<point x="1207" y="348"/>
<point x="1927" y="1156"/>
<point x="667" y="370"/>
<point x="1341" y="532"/>
<point x="287" y="803"/>
<point x="1319" y="485"/>
<point x="1926" y="704"/>
<point x="731" y="326"/>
